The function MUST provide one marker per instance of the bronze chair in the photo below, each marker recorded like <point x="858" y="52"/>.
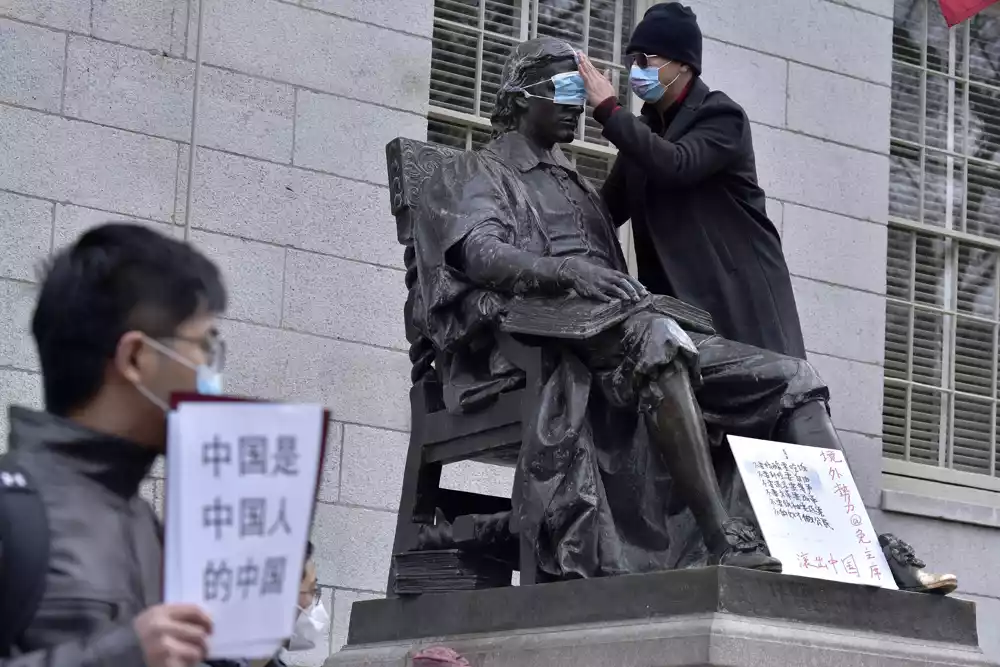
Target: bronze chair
<point x="437" y="437"/>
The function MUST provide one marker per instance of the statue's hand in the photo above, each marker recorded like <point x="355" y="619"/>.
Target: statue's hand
<point x="596" y="282"/>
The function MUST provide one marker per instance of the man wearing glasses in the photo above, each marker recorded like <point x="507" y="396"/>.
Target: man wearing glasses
<point x="125" y="317"/>
<point x="687" y="179"/>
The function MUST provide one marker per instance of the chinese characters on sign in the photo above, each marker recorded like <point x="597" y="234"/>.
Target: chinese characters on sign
<point x="219" y="579"/>
<point x="241" y="481"/>
<point x="810" y="512"/>
<point x="252" y="521"/>
<point x="789" y="492"/>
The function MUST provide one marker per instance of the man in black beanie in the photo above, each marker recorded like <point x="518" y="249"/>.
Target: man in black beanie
<point x="686" y="177"/>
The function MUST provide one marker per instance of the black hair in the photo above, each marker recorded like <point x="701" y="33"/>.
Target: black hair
<point x="521" y="69"/>
<point x="116" y="278"/>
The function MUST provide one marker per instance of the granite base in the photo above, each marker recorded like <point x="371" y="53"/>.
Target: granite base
<point x="702" y="617"/>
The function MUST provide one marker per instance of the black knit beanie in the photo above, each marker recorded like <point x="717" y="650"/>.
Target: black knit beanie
<point x="670" y="30"/>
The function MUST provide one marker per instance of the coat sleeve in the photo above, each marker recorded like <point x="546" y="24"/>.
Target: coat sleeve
<point x="471" y="208"/>
<point x="490" y="260"/>
<point x="710" y="146"/>
<point x="614" y="195"/>
<point x="118" y="646"/>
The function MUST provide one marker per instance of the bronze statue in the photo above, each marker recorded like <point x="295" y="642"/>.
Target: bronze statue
<point x="621" y="441"/>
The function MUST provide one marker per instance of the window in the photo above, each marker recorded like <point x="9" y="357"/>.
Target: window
<point x="943" y="306"/>
<point x="472" y="39"/>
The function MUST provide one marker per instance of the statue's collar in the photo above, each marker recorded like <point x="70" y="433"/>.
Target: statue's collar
<point x="515" y="149"/>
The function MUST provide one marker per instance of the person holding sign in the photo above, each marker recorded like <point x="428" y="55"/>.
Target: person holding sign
<point x="125" y="317"/>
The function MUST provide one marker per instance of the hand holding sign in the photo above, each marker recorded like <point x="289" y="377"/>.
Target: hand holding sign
<point x="173" y="635"/>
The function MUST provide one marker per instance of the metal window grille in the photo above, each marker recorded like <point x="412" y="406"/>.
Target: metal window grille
<point x="943" y="284"/>
<point x="471" y="40"/>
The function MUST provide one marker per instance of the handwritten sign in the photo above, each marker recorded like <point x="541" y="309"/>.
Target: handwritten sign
<point x="241" y="481"/>
<point x="810" y="512"/>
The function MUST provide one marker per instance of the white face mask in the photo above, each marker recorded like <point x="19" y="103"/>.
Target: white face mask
<point x="309" y="628"/>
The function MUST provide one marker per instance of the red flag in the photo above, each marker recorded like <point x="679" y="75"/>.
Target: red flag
<point x="956" y="11"/>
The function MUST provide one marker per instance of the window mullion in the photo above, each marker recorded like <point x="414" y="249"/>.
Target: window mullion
<point x="481" y="38"/>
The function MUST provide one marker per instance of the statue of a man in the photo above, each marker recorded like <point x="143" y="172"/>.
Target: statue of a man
<point x="620" y="439"/>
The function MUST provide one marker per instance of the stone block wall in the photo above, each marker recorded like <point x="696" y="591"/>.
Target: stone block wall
<point x="296" y="105"/>
<point x="298" y="98"/>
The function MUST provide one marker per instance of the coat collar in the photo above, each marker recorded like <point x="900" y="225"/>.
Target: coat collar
<point x="117" y="464"/>
<point x="513" y="148"/>
<point x="696" y="95"/>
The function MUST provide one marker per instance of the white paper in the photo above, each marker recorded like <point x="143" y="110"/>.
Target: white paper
<point x="241" y="480"/>
<point x="810" y="511"/>
<point x="172" y="580"/>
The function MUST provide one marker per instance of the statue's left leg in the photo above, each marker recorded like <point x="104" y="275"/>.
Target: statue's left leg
<point x="761" y="394"/>
<point x="649" y="363"/>
<point x="677" y="431"/>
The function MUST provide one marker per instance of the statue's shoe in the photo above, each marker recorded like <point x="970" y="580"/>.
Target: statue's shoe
<point x="908" y="570"/>
<point x="745" y="548"/>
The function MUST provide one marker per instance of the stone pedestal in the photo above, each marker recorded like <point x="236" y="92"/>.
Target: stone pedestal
<point x="703" y="617"/>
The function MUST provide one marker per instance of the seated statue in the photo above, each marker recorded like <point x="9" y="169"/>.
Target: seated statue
<point x="620" y="441"/>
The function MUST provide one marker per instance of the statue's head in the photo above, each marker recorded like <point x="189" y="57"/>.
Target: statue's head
<point x="541" y="92"/>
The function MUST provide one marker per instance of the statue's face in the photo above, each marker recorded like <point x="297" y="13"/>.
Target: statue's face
<point x="547" y="121"/>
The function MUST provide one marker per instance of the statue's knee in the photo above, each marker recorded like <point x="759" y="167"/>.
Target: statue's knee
<point x="805" y="381"/>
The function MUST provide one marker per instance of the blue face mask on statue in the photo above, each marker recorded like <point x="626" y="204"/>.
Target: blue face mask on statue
<point x="568" y="87"/>
<point x="645" y="82"/>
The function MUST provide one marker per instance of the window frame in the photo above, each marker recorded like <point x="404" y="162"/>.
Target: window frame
<point x="529" y="30"/>
<point x="902" y="476"/>
<point x="529" y="18"/>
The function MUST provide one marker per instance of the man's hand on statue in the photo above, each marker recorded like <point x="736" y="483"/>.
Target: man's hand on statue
<point x="596" y="282"/>
<point x="598" y="84"/>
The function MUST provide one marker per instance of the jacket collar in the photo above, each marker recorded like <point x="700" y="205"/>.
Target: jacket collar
<point x="115" y="463"/>
<point x="693" y="99"/>
<point x="513" y="148"/>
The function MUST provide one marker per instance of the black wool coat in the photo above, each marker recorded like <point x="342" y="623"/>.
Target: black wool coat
<point x="698" y="216"/>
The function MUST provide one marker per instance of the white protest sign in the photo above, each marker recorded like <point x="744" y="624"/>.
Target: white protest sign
<point x="241" y="482"/>
<point x="810" y="512"/>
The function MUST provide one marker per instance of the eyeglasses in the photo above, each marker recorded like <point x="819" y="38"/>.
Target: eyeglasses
<point x="316" y="594"/>
<point x="211" y="345"/>
<point x="642" y="59"/>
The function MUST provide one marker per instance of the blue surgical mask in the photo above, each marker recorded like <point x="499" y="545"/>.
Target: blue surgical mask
<point x="646" y="84"/>
<point x="568" y="86"/>
<point x="208" y="379"/>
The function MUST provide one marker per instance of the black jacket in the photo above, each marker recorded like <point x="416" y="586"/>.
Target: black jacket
<point x="698" y="215"/>
<point x="106" y="549"/>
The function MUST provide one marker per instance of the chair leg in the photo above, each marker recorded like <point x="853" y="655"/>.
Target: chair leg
<point x="416" y="502"/>
<point x="528" y="563"/>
